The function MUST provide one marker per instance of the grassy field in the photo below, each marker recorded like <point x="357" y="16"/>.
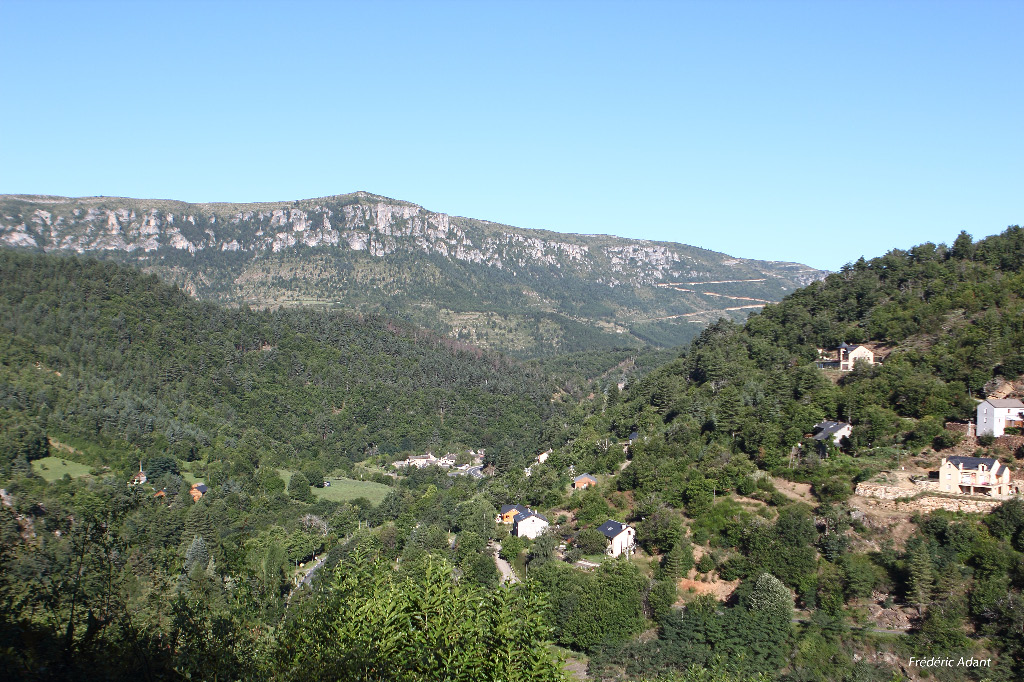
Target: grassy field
<point x="187" y="474"/>
<point x="53" y="468"/>
<point x="344" y="489"/>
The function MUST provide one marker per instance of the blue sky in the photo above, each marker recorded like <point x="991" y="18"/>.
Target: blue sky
<point x="808" y="131"/>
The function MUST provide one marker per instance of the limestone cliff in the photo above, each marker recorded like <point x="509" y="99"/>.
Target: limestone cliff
<point x="373" y="253"/>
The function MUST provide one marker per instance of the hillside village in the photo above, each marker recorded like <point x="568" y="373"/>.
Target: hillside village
<point x="768" y="489"/>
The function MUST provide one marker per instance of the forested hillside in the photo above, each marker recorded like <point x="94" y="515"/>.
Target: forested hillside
<point x="726" y="422"/>
<point x="96" y="350"/>
<point x="946" y="319"/>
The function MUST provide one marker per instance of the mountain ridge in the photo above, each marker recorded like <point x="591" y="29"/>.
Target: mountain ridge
<point x="374" y="253"/>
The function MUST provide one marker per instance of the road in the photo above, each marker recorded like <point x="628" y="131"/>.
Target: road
<point x="309" y="574"/>
<point x="507" y="574"/>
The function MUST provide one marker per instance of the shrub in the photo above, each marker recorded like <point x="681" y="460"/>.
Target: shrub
<point x="591" y="541"/>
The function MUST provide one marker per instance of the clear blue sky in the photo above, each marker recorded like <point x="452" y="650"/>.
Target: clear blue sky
<point x="807" y="131"/>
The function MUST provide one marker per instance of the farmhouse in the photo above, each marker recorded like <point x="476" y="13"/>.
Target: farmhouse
<point x="974" y="476"/>
<point x="583" y="481"/>
<point x="996" y="415"/>
<point x="845" y="357"/>
<point x="621" y="538"/>
<point x="528" y="525"/>
<point x="197" y="491"/>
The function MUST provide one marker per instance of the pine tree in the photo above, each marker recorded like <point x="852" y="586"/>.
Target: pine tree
<point x="919" y="577"/>
<point x="678" y="561"/>
<point x="197" y="555"/>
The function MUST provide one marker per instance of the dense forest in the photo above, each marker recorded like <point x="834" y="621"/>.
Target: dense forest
<point x="94" y="350"/>
<point x="754" y="558"/>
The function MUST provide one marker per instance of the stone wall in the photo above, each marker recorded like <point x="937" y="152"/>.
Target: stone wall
<point x="898" y="499"/>
<point x="883" y="492"/>
<point x="966" y="428"/>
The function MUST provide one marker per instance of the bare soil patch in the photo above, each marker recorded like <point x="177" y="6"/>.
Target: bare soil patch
<point x="800" y="492"/>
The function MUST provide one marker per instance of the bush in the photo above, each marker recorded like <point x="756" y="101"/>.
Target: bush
<point x="705" y="564"/>
<point x="591" y="541"/>
<point x="833" y="490"/>
<point x="948" y="439"/>
<point x="314" y="474"/>
<point x="737" y="567"/>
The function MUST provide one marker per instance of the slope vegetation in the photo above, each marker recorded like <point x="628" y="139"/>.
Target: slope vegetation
<point x="98" y="350"/>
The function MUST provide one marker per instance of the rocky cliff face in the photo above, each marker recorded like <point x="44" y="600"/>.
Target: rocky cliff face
<point x="262" y="254"/>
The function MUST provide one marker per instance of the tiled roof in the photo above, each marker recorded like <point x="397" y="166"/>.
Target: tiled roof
<point x="972" y="463"/>
<point x="610" y="528"/>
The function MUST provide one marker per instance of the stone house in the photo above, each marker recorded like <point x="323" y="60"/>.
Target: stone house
<point x="835" y="431"/>
<point x="510" y="511"/>
<point x="845" y="357"/>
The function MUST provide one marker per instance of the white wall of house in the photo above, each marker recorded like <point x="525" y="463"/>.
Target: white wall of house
<point x="858" y="354"/>
<point x="992" y="419"/>
<point x="622" y="542"/>
<point x="530" y="527"/>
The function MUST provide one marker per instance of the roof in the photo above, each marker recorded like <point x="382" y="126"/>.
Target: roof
<point x="582" y="476"/>
<point x="611" y="529"/>
<point x="1004" y="402"/>
<point x="506" y="508"/>
<point x="522" y="516"/>
<point x="974" y="462"/>
<point x="827" y="428"/>
<point x="201" y="487"/>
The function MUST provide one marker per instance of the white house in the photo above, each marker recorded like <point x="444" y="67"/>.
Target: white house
<point x="621" y="538"/>
<point x="835" y="431"/>
<point x="139" y="478"/>
<point x="844" y="357"/>
<point x="851" y="355"/>
<point x="528" y="525"/>
<point x="995" y="415"/>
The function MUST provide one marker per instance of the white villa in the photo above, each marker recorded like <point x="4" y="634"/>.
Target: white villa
<point x="995" y="415"/>
<point x="621" y="538"/>
<point x="528" y="524"/>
